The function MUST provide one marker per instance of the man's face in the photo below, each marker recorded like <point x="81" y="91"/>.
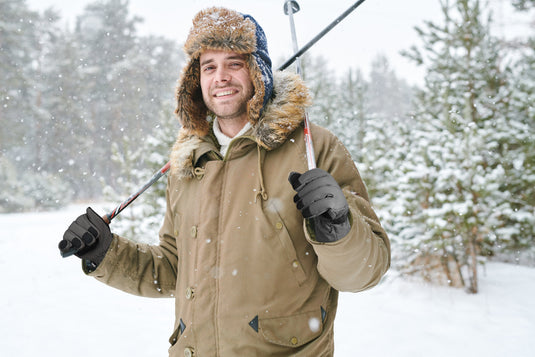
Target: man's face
<point x="226" y="84"/>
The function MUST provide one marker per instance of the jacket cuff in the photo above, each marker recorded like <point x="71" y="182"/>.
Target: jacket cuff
<point x="355" y="262"/>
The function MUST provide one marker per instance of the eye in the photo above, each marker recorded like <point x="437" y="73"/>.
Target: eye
<point x="208" y="68"/>
<point x="236" y="65"/>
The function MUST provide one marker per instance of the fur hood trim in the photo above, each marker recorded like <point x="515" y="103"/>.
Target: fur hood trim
<point x="283" y="114"/>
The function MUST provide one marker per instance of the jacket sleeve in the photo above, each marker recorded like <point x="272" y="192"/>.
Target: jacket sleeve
<point x="359" y="260"/>
<point x="141" y="269"/>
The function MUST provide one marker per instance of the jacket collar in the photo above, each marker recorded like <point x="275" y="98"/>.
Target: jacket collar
<point x="282" y="115"/>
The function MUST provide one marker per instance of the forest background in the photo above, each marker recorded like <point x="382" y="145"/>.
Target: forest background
<point x="87" y="114"/>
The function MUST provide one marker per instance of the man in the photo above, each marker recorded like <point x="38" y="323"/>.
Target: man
<point x="255" y="263"/>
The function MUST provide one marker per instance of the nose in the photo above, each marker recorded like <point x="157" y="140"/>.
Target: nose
<point x="222" y="75"/>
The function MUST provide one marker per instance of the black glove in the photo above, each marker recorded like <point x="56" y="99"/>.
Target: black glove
<point x="321" y="200"/>
<point x="88" y="237"/>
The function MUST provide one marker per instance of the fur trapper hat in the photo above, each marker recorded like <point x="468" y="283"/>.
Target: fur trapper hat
<point x="218" y="28"/>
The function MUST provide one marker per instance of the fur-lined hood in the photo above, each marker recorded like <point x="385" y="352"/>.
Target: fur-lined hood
<point x="283" y="114"/>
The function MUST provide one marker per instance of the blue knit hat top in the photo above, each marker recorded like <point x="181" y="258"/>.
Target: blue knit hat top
<point x="262" y="58"/>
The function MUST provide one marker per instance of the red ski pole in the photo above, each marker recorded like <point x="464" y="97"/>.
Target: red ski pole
<point x="108" y="217"/>
<point x="291" y="7"/>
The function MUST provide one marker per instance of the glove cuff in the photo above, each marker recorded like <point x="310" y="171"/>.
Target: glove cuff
<point x="89" y="266"/>
<point x="328" y="231"/>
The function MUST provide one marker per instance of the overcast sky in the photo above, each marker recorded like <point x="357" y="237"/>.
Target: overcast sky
<point x="377" y="26"/>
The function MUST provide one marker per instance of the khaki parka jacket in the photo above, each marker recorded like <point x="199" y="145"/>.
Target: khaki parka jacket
<point x="247" y="275"/>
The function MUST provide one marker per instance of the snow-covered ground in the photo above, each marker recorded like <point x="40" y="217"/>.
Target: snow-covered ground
<point x="49" y="308"/>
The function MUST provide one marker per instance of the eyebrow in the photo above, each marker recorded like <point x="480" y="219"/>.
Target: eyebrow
<point x="230" y="57"/>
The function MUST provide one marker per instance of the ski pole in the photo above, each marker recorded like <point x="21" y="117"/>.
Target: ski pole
<point x="108" y="217"/>
<point x="291" y="7"/>
<point x="319" y="35"/>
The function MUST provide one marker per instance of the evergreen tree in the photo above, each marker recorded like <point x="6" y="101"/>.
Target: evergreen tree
<point x="388" y="95"/>
<point x="455" y="163"/>
<point x="321" y="82"/>
<point x="19" y="48"/>
<point x="106" y="33"/>
<point x="519" y="232"/>
<point x="125" y="80"/>
<point x="524" y="4"/>
<point x="60" y="145"/>
<point x="353" y="114"/>
<point x="26" y="181"/>
<point x="388" y="101"/>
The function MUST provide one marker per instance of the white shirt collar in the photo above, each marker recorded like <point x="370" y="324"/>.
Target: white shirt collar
<point x="224" y="140"/>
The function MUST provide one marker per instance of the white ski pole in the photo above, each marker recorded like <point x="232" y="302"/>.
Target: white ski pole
<point x="291" y="7"/>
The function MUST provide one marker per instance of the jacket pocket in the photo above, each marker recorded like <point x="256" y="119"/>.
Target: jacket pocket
<point x="292" y="331"/>
<point x="281" y="233"/>
<point x="176" y="334"/>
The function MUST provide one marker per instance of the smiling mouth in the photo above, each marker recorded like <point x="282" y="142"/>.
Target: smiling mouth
<point x="225" y="93"/>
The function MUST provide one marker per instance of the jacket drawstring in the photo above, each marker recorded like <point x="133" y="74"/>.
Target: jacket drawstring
<point x="262" y="193"/>
<point x="198" y="172"/>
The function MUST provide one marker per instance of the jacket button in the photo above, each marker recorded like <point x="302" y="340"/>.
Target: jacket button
<point x="295" y="264"/>
<point x="188" y="352"/>
<point x="294" y="341"/>
<point x="278" y="225"/>
<point x="193" y="231"/>
<point x="189" y="293"/>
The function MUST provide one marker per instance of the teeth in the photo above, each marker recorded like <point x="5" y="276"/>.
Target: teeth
<point x="220" y="94"/>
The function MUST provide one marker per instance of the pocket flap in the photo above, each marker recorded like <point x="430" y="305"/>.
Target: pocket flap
<point x="292" y="331"/>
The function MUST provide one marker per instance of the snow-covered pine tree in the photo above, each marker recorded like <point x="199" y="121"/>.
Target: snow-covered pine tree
<point x="387" y="102"/>
<point x="518" y="235"/>
<point x="388" y="95"/>
<point x="321" y="81"/>
<point x="124" y="80"/>
<point x="106" y="33"/>
<point x="353" y="114"/>
<point x="26" y="181"/>
<point x="454" y="165"/>
<point x="60" y="112"/>
<point x="524" y="4"/>
<point x="19" y="48"/>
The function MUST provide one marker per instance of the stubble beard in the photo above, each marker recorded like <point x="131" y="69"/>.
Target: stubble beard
<point x="229" y="111"/>
<point x="233" y="108"/>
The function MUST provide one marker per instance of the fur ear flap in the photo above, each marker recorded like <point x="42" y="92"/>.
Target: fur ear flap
<point x="256" y="103"/>
<point x="285" y="112"/>
<point x="191" y="109"/>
